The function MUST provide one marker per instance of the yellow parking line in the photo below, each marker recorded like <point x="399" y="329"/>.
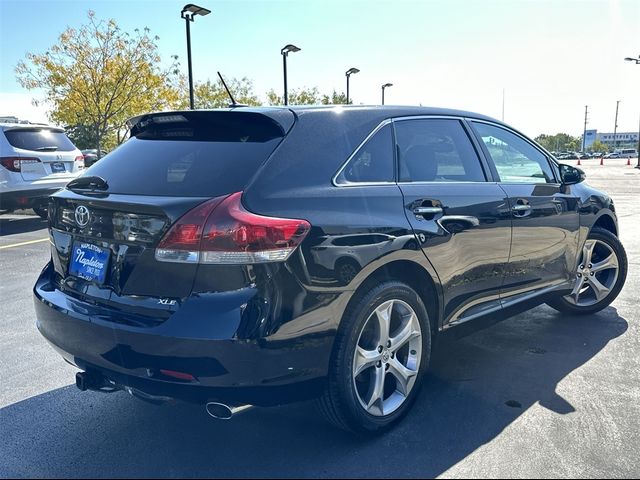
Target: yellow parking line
<point x="24" y="243"/>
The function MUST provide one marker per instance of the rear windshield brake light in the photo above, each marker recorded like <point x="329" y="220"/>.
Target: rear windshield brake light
<point x="221" y="231"/>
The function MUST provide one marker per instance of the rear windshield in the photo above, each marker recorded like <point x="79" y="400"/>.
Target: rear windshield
<point x="39" y="140"/>
<point x="194" y="154"/>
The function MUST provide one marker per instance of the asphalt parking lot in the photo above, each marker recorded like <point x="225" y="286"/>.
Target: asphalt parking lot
<point x="539" y="395"/>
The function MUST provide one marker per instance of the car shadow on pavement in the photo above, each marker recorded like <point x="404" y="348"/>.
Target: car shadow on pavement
<point x="67" y="433"/>
<point x="15" y="224"/>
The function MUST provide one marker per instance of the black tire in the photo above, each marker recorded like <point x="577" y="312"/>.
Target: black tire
<point x="42" y="212"/>
<point x="339" y="403"/>
<point x="563" y="305"/>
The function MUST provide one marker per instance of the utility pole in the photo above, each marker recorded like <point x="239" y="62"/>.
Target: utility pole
<point x="584" y="133"/>
<point x="615" y="128"/>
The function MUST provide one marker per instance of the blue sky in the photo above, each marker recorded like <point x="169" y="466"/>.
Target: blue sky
<point x="551" y="57"/>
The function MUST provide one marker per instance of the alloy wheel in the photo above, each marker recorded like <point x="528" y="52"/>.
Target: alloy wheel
<point x="597" y="274"/>
<point x="387" y="358"/>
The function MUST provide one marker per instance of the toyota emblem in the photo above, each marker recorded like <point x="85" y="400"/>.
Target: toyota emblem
<point x="82" y="216"/>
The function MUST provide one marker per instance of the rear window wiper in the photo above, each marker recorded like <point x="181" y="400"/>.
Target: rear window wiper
<point x="51" y="148"/>
<point x="91" y="182"/>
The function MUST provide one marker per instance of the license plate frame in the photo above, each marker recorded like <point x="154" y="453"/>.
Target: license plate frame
<point x="89" y="262"/>
<point x="58" y="167"/>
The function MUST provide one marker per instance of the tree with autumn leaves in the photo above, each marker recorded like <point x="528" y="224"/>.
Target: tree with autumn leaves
<point x="97" y="76"/>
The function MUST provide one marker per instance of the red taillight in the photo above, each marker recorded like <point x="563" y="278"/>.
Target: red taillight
<point x="223" y="232"/>
<point x="14" y="164"/>
<point x="182" y="242"/>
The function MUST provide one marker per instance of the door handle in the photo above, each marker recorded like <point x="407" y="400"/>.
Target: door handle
<point x="521" y="208"/>
<point x="427" y="210"/>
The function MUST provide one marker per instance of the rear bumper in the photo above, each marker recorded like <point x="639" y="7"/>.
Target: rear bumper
<point x="26" y="198"/>
<point x="261" y="371"/>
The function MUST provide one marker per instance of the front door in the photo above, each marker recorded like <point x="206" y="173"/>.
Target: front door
<point x="461" y="220"/>
<point x="545" y="214"/>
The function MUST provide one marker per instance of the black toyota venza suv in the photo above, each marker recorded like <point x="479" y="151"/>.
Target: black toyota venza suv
<point x="258" y="256"/>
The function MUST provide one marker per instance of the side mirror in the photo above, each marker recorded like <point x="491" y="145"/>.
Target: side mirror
<point x="571" y="175"/>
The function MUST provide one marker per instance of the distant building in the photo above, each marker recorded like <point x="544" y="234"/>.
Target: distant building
<point x="9" y="119"/>
<point x="623" y="139"/>
<point x="589" y="137"/>
<point x="12" y="119"/>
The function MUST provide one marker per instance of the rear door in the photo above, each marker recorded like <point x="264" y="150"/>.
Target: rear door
<point x="545" y="214"/>
<point x="460" y="217"/>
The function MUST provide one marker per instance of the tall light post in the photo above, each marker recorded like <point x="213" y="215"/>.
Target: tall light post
<point x="637" y="61"/>
<point x="285" y="53"/>
<point x="189" y="11"/>
<point x="383" y="87"/>
<point x="348" y="73"/>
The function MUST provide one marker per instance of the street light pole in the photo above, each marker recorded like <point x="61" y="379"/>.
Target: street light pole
<point x="189" y="11"/>
<point x="285" y="53"/>
<point x="348" y="73"/>
<point x="584" y="132"/>
<point x="637" y="61"/>
<point x="383" y="87"/>
<point x="284" y="68"/>
<point x="188" y="23"/>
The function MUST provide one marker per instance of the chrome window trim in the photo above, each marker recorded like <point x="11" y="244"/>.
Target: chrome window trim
<point x="427" y="117"/>
<point x="452" y="182"/>
<point x="334" y="179"/>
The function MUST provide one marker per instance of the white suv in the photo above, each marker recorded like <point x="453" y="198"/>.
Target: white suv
<point x="35" y="161"/>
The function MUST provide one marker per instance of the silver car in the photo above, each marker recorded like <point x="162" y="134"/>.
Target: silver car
<point x="35" y="161"/>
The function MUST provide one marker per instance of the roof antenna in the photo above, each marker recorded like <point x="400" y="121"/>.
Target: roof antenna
<point x="233" y="101"/>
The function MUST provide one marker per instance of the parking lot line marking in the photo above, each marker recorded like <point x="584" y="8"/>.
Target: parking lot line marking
<point x="24" y="243"/>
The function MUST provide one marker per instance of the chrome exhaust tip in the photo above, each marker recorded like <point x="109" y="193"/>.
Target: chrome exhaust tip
<point x="220" y="411"/>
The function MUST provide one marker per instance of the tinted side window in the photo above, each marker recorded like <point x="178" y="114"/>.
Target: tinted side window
<point x="373" y="162"/>
<point x="39" y="139"/>
<point x="516" y="160"/>
<point x="436" y="150"/>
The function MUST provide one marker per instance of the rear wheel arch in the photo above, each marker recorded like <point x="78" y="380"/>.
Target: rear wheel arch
<point x="412" y="274"/>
